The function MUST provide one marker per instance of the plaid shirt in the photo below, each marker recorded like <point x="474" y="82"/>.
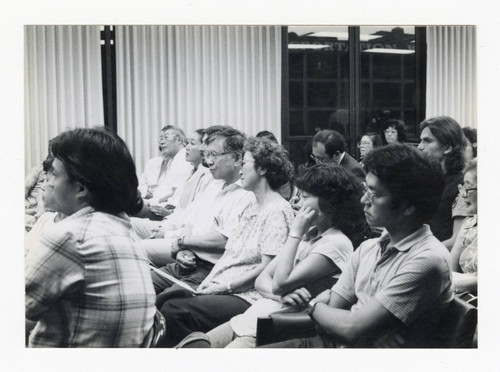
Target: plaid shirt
<point x="88" y="284"/>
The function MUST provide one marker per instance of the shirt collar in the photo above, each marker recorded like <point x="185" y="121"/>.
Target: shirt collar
<point x="408" y="242"/>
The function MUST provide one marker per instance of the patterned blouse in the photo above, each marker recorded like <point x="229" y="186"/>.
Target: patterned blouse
<point x="468" y="257"/>
<point x="260" y="232"/>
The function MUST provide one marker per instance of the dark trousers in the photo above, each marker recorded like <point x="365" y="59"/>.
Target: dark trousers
<point x="191" y="277"/>
<point x="199" y="313"/>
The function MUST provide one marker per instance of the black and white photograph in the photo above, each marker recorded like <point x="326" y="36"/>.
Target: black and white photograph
<point x="258" y="182"/>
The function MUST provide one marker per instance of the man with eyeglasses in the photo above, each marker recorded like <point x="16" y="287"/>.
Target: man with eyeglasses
<point x="328" y="146"/>
<point x="441" y="139"/>
<point x="196" y="240"/>
<point x="396" y="287"/>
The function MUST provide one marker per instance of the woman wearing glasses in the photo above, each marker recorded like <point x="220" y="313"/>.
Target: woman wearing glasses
<point x="394" y="131"/>
<point x="367" y="143"/>
<point x="464" y="251"/>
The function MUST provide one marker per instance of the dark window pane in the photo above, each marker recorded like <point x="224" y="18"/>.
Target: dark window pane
<point x="386" y="66"/>
<point x="321" y="94"/>
<point x="410" y="91"/>
<point x="296" y="65"/>
<point x="410" y="66"/>
<point x="296" y="123"/>
<point x="296" y="94"/>
<point x="386" y="94"/>
<point x="322" y="65"/>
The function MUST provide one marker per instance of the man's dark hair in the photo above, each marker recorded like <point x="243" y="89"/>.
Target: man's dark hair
<point x="333" y="141"/>
<point x="399" y="126"/>
<point x="99" y="160"/>
<point x="339" y="193"/>
<point x="234" y="140"/>
<point x="201" y="132"/>
<point x="409" y="176"/>
<point x="448" y="133"/>
<point x="213" y="130"/>
<point x="271" y="157"/>
<point x="471" y="135"/>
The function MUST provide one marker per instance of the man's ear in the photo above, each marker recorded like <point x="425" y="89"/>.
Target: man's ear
<point x="261" y="171"/>
<point x="82" y="191"/>
<point x="448" y="149"/>
<point x="409" y="209"/>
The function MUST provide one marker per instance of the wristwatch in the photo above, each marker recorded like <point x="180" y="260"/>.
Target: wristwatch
<point x="311" y="306"/>
<point x="180" y="241"/>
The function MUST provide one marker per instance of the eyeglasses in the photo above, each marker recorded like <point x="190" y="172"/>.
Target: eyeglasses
<point x="465" y="192"/>
<point x="319" y="159"/>
<point x="371" y="196"/>
<point x="213" y="154"/>
<point x="364" y="144"/>
<point x="390" y="131"/>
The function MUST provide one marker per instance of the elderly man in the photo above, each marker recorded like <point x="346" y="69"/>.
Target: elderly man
<point x="396" y="287"/>
<point x="198" y="238"/>
<point x="164" y="174"/>
<point x="87" y="282"/>
<point x="441" y="139"/>
<point x="328" y="146"/>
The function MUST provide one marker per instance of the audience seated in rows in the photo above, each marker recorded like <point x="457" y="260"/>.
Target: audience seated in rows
<point x="228" y="249"/>
<point x="395" y="288"/>
<point x="197" y="239"/>
<point x="317" y="250"/>
<point x="442" y="140"/>
<point x="87" y="282"/>
<point x="263" y="229"/>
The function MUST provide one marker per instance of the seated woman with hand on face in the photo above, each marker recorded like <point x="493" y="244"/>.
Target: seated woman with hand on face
<point x="319" y="245"/>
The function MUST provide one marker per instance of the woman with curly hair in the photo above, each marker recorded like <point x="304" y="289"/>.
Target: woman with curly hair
<point x="264" y="225"/>
<point x="317" y="249"/>
<point x="394" y="131"/>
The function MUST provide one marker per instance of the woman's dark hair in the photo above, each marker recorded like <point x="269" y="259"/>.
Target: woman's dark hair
<point x="374" y="137"/>
<point x="339" y="193"/>
<point x="200" y="132"/>
<point x="471" y="135"/>
<point x="271" y="157"/>
<point x="399" y="126"/>
<point x="448" y="133"/>
<point x="99" y="160"/>
<point x="409" y="176"/>
<point x="267" y="134"/>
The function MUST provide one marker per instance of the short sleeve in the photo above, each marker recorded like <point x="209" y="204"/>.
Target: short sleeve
<point x="275" y="231"/>
<point x="345" y="286"/>
<point x="336" y="248"/>
<point x="53" y="269"/>
<point x="417" y="286"/>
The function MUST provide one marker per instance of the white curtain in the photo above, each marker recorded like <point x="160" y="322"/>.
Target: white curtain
<point x="62" y="82"/>
<point x="194" y="77"/>
<point x="451" y="73"/>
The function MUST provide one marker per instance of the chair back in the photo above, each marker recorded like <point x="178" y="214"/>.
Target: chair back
<point x="156" y="333"/>
<point x="458" y="325"/>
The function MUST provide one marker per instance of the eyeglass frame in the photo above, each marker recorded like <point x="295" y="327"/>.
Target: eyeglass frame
<point x="318" y="159"/>
<point x="465" y="191"/>
<point x="369" y="193"/>
<point x="364" y="143"/>
<point x="215" y="155"/>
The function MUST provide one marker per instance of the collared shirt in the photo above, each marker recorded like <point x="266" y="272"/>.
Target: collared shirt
<point x="195" y="184"/>
<point x="261" y="231"/>
<point x="412" y="280"/>
<point x="88" y="284"/>
<point x="178" y="171"/>
<point x="218" y="209"/>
